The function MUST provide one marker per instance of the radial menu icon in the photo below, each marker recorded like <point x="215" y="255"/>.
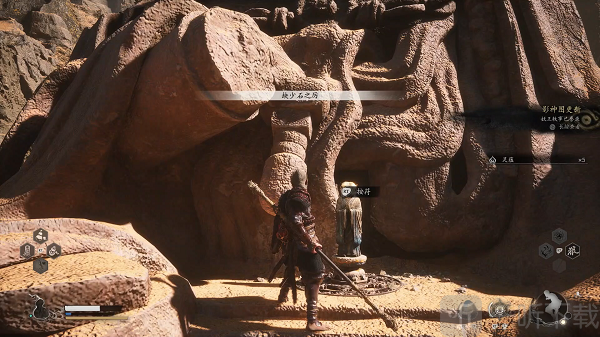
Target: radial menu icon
<point x="572" y="250"/>
<point x="546" y="250"/>
<point x="53" y="250"/>
<point x="559" y="236"/>
<point x="27" y="250"/>
<point x="559" y="265"/>
<point x="40" y="235"/>
<point x="40" y="265"/>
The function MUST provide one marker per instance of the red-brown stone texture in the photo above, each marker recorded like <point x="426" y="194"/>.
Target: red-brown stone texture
<point x="100" y="264"/>
<point x="133" y="138"/>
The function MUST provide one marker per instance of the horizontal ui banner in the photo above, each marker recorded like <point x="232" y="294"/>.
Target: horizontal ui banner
<point x="496" y="159"/>
<point x="360" y="191"/>
<point x="302" y="95"/>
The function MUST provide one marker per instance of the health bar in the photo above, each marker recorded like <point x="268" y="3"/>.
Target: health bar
<point x="93" y="308"/>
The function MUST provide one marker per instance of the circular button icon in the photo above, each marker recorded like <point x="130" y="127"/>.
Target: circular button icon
<point x="498" y="309"/>
<point x="549" y="309"/>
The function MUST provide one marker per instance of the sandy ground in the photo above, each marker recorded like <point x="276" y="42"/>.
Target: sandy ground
<point x="422" y="306"/>
<point x="420" y="297"/>
<point x="226" y="306"/>
<point x="205" y="326"/>
<point x="244" y="307"/>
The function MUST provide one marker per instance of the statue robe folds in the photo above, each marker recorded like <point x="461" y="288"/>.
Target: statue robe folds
<point x="349" y="227"/>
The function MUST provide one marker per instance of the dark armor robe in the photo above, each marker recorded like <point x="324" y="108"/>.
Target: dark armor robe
<point x="294" y="232"/>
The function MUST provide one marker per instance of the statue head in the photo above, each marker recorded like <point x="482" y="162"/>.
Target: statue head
<point x="321" y="40"/>
<point x="347" y="184"/>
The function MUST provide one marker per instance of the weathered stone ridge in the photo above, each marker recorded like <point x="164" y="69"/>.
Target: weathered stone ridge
<point x="128" y="131"/>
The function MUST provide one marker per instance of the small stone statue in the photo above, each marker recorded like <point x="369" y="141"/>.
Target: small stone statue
<point x="349" y="236"/>
<point x="349" y="224"/>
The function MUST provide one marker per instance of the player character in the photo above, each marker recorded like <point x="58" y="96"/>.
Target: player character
<point x="295" y="235"/>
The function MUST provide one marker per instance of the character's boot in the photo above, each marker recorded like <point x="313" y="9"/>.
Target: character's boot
<point x="283" y="294"/>
<point x="312" y="294"/>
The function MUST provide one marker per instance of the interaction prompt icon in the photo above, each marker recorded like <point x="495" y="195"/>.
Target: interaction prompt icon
<point x="559" y="236"/>
<point x="40" y="235"/>
<point x="346" y="191"/>
<point x="27" y="250"/>
<point x="40" y="265"/>
<point x="546" y="251"/>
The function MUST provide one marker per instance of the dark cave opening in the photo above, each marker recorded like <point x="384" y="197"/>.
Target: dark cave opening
<point x="374" y="244"/>
<point x="458" y="171"/>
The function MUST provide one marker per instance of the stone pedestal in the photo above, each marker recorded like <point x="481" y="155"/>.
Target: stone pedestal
<point x="350" y="265"/>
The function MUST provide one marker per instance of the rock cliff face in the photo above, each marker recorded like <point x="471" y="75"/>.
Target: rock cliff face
<point x="590" y="12"/>
<point x="24" y="63"/>
<point x="18" y="10"/>
<point x="50" y="29"/>
<point x="127" y="132"/>
<point x="57" y="25"/>
<point x="117" y="121"/>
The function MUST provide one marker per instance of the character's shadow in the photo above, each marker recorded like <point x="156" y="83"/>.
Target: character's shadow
<point x="241" y="313"/>
<point x="254" y="284"/>
<point x="181" y="299"/>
